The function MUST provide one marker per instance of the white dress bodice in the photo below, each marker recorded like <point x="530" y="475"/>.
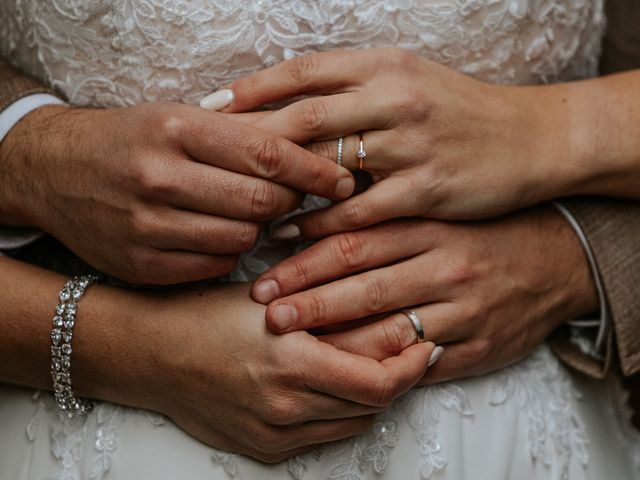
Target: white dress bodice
<point x="124" y="52"/>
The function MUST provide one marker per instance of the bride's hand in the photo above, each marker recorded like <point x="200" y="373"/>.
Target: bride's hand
<point x="489" y="292"/>
<point x="204" y="358"/>
<point x="439" y="144"/>
<point x="156" y="193"/>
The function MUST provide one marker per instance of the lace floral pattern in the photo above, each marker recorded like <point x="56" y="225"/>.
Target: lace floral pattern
<point x="124" y="52"/>
<point x="539" y="387"/>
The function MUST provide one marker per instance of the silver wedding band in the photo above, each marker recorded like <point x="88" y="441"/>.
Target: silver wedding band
<point x="340" y="145"/>
<point x="415" y="321"/>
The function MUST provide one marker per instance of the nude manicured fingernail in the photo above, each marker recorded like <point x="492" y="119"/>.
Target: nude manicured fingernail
<point x="345" y="187"/>
<point x="283" y="317"/>
<point x="217" y="100"/>
<point x="266" y="290"/>
<point x="435" y="355"/>
<point x="288" y="231"/>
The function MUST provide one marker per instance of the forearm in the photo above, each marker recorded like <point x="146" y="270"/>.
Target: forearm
<point x="104" y="356"/>
<point x="592" y="135"/>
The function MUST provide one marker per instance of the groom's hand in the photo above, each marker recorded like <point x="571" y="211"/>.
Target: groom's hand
<point x="488" y="292"/>
<point x="159" y="193"/>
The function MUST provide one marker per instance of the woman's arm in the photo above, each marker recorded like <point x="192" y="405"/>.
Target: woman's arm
<point x="593" y="132"/>
<point x="203" y="357"/>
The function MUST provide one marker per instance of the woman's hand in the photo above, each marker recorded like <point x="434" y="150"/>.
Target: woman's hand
<point x="439" y="144"/>
<point x="488" y="292"/>
<point x="204" y="358"/>
<point x="157" y="193"/>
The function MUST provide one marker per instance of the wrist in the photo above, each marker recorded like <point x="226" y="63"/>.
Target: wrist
<point x="578" y="293"/>
<point x="600" y="127"/>
<point x="25" y="152"/>
<point x="111" y="358"/>
<point x="555" y="145"/>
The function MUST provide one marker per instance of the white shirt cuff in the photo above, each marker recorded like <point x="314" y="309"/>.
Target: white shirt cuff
<point x="19" y="237"/>
<point x="595" y="349"/>
<point x="17" y="110"/>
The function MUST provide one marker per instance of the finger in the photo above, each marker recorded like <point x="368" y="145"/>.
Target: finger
<point x="320" y="73"/>
<point x="344" y="254"/>
<point x="326" y="117"/>
<point x="441" y="323"/>
<point x="166" y="267"/>
<point x="313" y="406"/>
<point x="364" y="380"/>
<point x="379" y="148"/>
<point x="250" y="118"/>
<point x="412" y="282"/>
<point x="282" y="443"/>
<point x="228" y="194"/>
<point x="388" y="199"/>
<point x="195" y="232"/>
<point x="458" y="360"/>
<point x="248" y="150"/>
<point x="324" y="431"/>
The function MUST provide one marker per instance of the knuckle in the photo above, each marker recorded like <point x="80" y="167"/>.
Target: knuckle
<point x="302" y="70"/>
<point x="248" y="236"/>
<point x="300" y="274"/>
<point x="396" y="334"/>
<point x="262" y="202"/>
<point x="313" y="114"/>
<point x="462" y="271"/>
<point x="350" y="251"/>
<point x="271" y="439"/>
<point x="216" y="266"/>
<point x="145" y="268"/>
<point x="355" y="213"/>
<point x="317" y="308"/>
<point x="376" y="294"/>
<point x="152" y="179"/>
<point x="279" y="412"/>
<point x="267" y="158"/>
<point x="411" y="104"/>
<point x="139" y="225"/>
<point x="170" y="124"/>
<point x="385" y="391"/>
<point x="480" y="349"/>
<point x="323" y="149"/>
<point x="402" y="57"/>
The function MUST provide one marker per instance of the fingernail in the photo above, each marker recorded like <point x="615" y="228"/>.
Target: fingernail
<point x="288" y="231"/>
<point x="217" y="100"/>
<point x="284" y="316"/>
<point x="345" y="187"/>
<point x="435" y="355"/>
<point x="266" y="290"/>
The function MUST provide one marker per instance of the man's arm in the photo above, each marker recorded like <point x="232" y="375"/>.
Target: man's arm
<point x="612" y="228"/>
<point x="15" y="85"/>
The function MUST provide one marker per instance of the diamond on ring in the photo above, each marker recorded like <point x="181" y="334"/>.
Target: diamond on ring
<point x="340" y="144"/>
<point x="361" y="153"/>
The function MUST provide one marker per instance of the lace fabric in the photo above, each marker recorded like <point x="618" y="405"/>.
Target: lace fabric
<point x="538" y="394"/>
<point x="124" y="52"/>
<point x="111" y="53"/>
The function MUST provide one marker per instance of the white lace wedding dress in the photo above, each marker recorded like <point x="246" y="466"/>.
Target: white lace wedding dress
<point x="535" y="420"/>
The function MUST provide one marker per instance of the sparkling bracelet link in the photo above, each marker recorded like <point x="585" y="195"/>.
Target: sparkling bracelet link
<point x="61" y="335"/>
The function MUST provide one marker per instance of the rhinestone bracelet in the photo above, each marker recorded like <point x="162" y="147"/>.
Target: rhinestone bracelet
<point x="61" y="335"/>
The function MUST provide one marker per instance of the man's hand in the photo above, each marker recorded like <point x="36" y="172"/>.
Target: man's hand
<point x="488" y="292"/>
<point x="158" y="193"/>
